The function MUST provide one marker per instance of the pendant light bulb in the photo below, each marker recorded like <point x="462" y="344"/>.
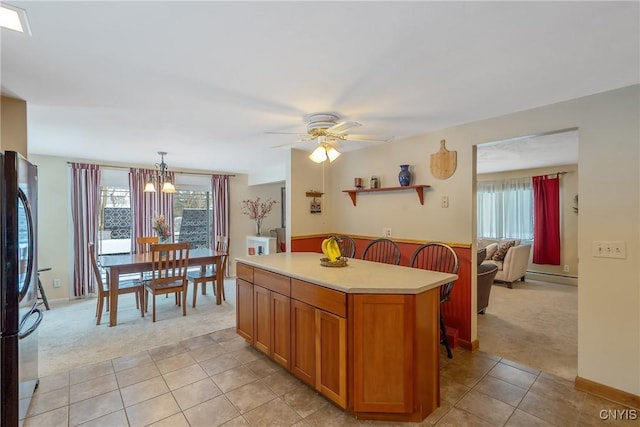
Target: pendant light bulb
<point x="318" y="155"/>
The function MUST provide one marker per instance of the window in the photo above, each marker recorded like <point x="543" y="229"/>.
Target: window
<point x="192" y="217"/>
<point x="114" y="221"/>
<point x="505" y="209"/>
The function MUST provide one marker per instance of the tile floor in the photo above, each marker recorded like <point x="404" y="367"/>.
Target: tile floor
<point x="217" y="379"/>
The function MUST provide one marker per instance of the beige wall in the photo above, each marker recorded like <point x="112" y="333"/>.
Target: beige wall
<point x="55" y="247"/>
<point x="13" y="135"/>
<point x="568" y="219"/>
<point x="609" y="182"/>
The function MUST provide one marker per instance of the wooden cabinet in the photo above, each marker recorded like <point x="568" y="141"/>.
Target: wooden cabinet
<point x="318" y="350"/>
<point x="303" y="341"/>
<point x="244" y="309"/>
<point x="271" y="316"/>
<point x="383" y="380"/>
<point x="331" y="356"/>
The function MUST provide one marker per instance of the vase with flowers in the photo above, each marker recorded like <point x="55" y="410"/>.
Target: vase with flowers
<point x="257" y="210"/>
<point x="162" y="229"/>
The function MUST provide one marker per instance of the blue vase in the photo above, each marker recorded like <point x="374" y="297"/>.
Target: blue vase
<point x="404" y="176"/>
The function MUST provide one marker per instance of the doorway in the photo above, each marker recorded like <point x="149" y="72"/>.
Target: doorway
<point x="535" y="323"/>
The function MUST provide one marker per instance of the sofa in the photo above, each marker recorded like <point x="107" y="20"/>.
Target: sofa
<point x="486" y="273"/>
<point x="515" y="262"/>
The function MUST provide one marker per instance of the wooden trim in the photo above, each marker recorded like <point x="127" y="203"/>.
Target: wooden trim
<point x="395" y="239"/>
<point x="606" y="392"/>
<point x="471" y="346"/>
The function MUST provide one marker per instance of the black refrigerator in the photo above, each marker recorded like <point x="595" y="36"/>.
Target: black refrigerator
<point x="19" y="313"/>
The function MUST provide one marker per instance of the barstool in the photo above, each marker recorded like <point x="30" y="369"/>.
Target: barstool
<point x="43" y="296"/>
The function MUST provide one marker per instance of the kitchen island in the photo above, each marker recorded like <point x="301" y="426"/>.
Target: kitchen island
<point x="366" y="336"/>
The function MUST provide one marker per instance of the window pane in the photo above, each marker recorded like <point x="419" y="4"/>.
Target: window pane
<point x="505" y="209"/>
<point x="192" y="217"/>
<point x="114" y="222"/>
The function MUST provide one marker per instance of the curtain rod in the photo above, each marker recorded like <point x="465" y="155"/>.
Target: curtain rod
<point x="183" y="173"/>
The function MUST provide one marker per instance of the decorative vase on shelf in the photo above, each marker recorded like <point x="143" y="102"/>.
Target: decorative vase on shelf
<point x="258" y="228"/>
<point x="404" y="177"/>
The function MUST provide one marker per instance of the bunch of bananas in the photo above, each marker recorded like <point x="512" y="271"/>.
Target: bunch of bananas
<point x="331" y="249"/>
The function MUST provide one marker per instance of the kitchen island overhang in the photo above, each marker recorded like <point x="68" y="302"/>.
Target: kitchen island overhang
<point x="366" y="336"/>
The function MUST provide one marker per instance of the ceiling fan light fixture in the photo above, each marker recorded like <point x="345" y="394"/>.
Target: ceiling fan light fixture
<point x="332" y="154"/>
<point x="318" y="155"/>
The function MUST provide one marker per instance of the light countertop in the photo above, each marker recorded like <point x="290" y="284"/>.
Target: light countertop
<point x="359" y="277"/>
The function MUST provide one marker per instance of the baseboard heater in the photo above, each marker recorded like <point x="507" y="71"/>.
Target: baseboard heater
<point x="551" y="277"/>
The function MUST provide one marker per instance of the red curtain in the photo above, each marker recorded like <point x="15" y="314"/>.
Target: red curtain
<point x="546" y="220"/>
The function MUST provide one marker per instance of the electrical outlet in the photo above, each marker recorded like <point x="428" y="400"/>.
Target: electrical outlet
<point x="384" y="232"/>
<point x="56" y="283"/>
<point x="566" y="268"/>
<point x="444" y="202"/>
<point x="388" y="234"/>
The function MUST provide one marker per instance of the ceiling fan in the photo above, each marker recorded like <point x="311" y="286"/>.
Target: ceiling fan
<point x="329" y="130"/>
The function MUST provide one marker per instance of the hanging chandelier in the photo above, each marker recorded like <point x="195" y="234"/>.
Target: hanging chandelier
<point x="165" y="182"/>
<point x="324" y="151"/>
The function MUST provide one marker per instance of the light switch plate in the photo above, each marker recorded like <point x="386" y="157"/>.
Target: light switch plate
<point x="609" y="249"/>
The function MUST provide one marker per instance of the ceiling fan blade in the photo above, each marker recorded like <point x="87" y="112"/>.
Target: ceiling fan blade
<point x="305" y="139"/>
<point x="342" y="127"/>
<point x="367" y="138"/>
<point x="287" y="133"/>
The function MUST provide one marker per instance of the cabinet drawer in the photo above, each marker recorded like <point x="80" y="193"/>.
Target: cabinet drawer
<point x="272" y="281"/>
<point x="318" y="296"/>
<point x="245" y="272"/>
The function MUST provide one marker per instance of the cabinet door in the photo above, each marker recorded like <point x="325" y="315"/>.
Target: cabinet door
<point x="303" y="342"/>
<point x="280" y="328"/>
<point x="244" y="310"/>
<point x="331" y="354"/>
<point x="262" y="319"/>
<point x="383" y="360"/>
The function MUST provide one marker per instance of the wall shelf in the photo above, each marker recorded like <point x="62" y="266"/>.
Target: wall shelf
<point x="314" y="194"/>
<point x="419" y="188"/>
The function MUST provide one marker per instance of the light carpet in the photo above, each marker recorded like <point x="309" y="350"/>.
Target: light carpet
<point x="69" y="337"/>
<point x="535" y="323"/>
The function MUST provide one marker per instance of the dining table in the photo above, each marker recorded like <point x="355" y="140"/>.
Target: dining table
<point x="117" y="265"/>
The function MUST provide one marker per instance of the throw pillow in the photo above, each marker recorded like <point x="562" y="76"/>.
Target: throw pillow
<point x="502" y="250"/>
<point x="491" y="250"/>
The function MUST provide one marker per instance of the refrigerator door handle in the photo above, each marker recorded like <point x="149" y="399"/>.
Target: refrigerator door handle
<point x="33" y="327"/>
<point x="31" y="247"/>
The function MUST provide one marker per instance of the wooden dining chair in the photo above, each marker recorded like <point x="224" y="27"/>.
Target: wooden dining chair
<point x="168" y="274"/>
<point x="347" y="246"/>
<point x="208" y="273"/>
<point x="382" y="250"/>
<point x="124" y="287"/>
<point x="145" y="242"/>
<point x="438" y="257"/>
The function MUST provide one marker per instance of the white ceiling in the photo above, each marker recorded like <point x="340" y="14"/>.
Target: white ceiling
<point x="119" y="81"/>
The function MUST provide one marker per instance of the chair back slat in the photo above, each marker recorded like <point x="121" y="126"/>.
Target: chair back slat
<point x="382" y="250"/>
<point x="144" y="243"/>
<point x="440" y="257"/>
<point x="94" y="267"/>
<point x="169" y="262"/>
<point x="347" y="246"/>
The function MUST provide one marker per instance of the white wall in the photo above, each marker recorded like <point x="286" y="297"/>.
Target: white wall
<point x="609" y="183"/>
